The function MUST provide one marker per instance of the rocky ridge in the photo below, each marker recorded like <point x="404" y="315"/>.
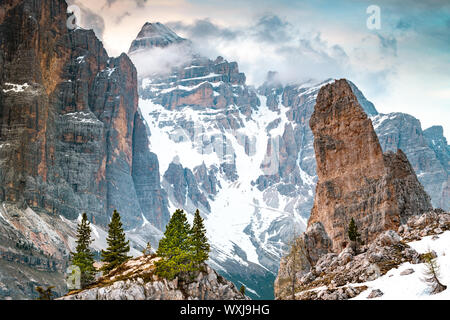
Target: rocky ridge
<point x="70" y="128"/>
<point x="78" y="137"/>
<point x="155" y="35"/>
<point x="135" y="280"/>
<point x="340" y="276"/>
<point x="72" y="139"/>
<point x="427" y="151"/>
<point x="356" y="180"/>
<point x="235" y="143"/>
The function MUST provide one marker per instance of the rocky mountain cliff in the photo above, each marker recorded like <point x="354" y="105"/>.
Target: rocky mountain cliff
<point x="427" y="150"/>
<point x="155" y="35"/>
<point x="195" y="113"/>
<point x="244" y="156"/>
<point x="72" y="139"/>
<point x="391" y="266"/>
<point x="71" y="131"/>
<point x="355" y="181"/>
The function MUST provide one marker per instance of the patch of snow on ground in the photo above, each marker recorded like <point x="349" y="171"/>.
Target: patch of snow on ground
<point x="234" y="207"/>
<point x="240" y="215"/>
<point x="83" y="117"/>
<point x="145" y="221"/>
<point x="16" y="87"/>
<point x="412" y="287"/>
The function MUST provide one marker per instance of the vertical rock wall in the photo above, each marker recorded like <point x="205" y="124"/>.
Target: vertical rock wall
<point x="69" y="121"/>
<point x="356" y="180"/>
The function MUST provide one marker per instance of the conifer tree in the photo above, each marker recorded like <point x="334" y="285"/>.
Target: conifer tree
<point x="175" y="248"/>
<point x="353" y="234"/>
<point x="432" y="273"/>
<point x="45" y="294"/>
<point x="83" y="258"/>
<point x="242" y="290"/>
<point x="199" y="241"/>
<point x="118" y="246"/>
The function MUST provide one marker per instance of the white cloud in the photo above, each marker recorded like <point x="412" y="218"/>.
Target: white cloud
<point x="160" y="60"/>
<point x="394" y="67"/>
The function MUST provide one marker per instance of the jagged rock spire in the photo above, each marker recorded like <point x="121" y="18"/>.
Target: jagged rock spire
<point x="356" y="180"/>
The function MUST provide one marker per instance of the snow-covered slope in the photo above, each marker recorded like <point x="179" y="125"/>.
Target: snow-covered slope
<point x="247" y="227"/>
<point x="35" y="250"/>
<point x="243" y="156"/>
<point x="411" y="285"/>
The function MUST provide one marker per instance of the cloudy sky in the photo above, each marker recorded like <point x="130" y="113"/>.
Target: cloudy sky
<point x="402" y="67"/>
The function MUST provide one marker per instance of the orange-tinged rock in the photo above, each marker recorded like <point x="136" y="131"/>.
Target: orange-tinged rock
<point x="356" y="180"/>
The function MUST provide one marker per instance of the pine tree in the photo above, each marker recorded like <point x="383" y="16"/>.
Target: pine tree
<point x="118" y="246"/>
<point x="432" y="273"/>
<point x="242" y="290"/>
<point x="298" y="260"/>
<point x="175" y="248"/>
<point x="46" y="294"/>
<point x="83" y="258"/>
<point x="199" y="241"/>
<point x="353" y="234"/>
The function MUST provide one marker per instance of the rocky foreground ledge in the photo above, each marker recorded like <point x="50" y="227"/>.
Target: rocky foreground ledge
<point x="342" y="276"/>
<point x="358" y="183"/>
<point x="135" y="280"/>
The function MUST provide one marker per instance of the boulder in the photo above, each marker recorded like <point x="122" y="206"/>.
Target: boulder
<point x="407" y="272"/>
<point x="135" y="280"/>
<point x="376" y="293"/>
<point x="388" y="238"/>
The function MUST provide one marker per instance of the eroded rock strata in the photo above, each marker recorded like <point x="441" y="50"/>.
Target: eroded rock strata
<point x="135" y="280"/>
<point x="71" y="141"/>
<point x="340" y="276"/>
<point x="70" y="133"/>
<point x="356" y="180"/>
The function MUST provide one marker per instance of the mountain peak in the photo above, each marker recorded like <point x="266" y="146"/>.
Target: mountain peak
<point x="155" y="35"/>
<point x="435" y="130"/>
<point x="349" y="162"/>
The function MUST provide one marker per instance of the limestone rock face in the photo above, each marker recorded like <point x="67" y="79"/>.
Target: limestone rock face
<point x="427" y="151"/>
<point x="136" y="281"/>
<point x="342" y="276"/>
<point x="183" y="188"/>
<point x="355" y="179"/>
<point x="71" y="141"/>
<point x="70" y="132"/>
